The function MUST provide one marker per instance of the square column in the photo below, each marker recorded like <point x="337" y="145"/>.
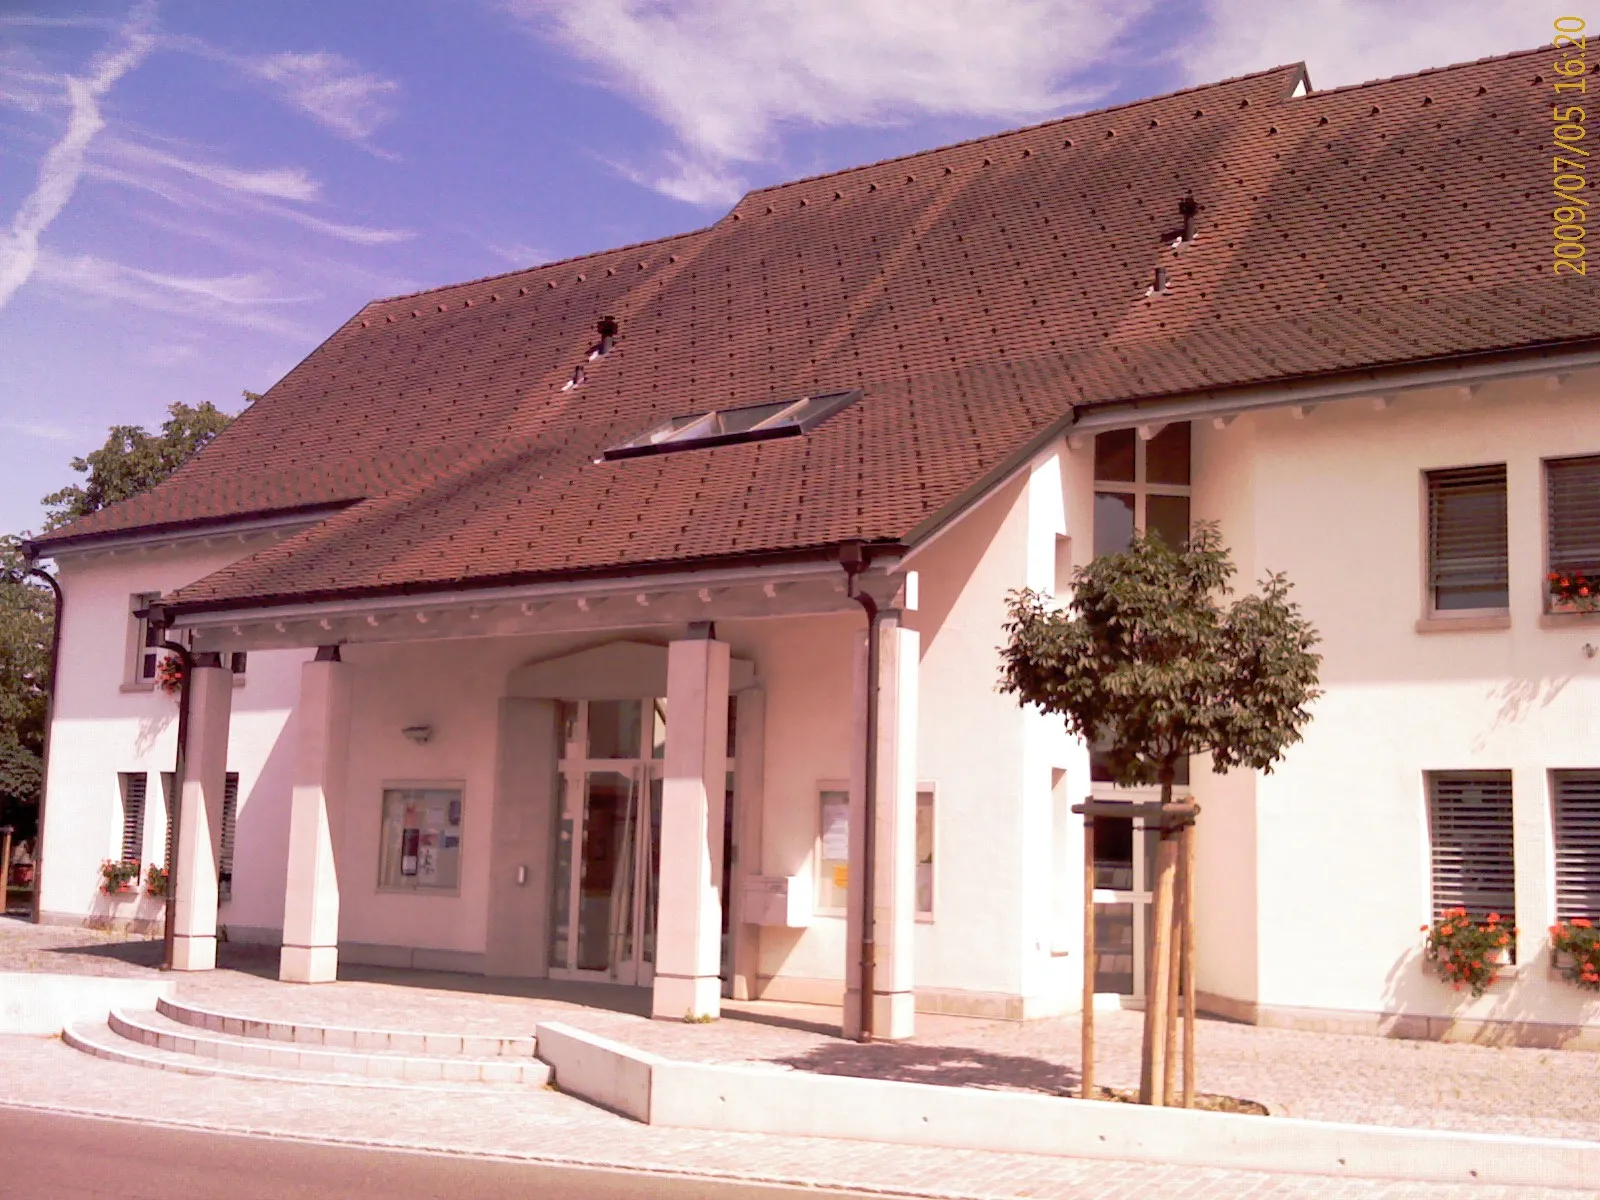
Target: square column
<point x="205" y="770"/>
<point x="311" y="887"/>
<point x="689" y="917"/>
<point x="894" y="884"/>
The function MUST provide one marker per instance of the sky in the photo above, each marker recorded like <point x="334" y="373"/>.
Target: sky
<point x="193" y="194"/>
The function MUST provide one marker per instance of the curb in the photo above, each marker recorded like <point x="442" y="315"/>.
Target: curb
<point x="508" y="1156"/>
<point x="691" y="1095"/>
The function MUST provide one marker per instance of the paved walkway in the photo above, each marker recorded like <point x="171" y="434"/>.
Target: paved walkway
<point x="548" y="1126"/>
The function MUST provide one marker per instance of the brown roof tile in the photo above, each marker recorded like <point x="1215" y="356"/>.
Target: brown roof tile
<point x="974" y="293"/>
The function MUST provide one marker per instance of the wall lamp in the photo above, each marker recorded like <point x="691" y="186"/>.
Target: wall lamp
<point x="420" y="734"/>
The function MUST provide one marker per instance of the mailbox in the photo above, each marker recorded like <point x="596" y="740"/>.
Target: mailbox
<point x="780" y="900"/>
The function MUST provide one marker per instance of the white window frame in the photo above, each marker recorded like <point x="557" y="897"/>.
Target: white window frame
<point x="1139" y="486"/>
<point x="1436" y="903"/>
<point x="458" y="786"/>
<point x="822" y="882"/>
<point x="1547" y="519"/>
<point x="930" y="790"/>
<point x="1433" y="615"/>
<point x="124" y="786"/>
<point x="133" y="677"/>
<point x="1583" y="855"/>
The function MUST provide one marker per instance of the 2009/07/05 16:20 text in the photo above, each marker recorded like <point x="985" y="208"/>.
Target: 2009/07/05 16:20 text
<point x="1569" y="168"/>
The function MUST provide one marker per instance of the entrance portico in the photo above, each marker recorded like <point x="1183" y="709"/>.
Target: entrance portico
<point x="598" y="849"/>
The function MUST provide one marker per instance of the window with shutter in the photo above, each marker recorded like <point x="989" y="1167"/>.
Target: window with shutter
<point x="230" y="813"/>
<point x="1572" y="507"/>
<point x="1577" y="828"/>
<point x="146" y="640"/>
<point x="1467" y="539"/>
<point x="133" y="789"/>
<point x="1470" y="827"/>
<point x="169" y="786"/>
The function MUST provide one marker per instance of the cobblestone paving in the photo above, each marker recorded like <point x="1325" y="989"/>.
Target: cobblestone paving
<point x="1322" y="1076"/>
<point x="546" y="1125"/>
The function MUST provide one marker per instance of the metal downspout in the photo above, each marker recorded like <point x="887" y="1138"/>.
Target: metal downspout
<point x="853" y="559"/>
<point x="49" y="725"/>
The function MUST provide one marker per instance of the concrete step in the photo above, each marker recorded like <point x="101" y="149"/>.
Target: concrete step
<point x="97" y="1039"/>
<point x="341" y="1037"/>
<point x="154" y="1031"/>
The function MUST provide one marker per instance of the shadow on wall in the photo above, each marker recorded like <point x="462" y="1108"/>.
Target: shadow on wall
<point x="1517" y="698"/>
<point x="152" y="728"/>
<point x="1420" y="1005"/>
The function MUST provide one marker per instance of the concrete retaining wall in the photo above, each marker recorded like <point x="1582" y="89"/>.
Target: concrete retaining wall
<point x="770" y="1100"/>
<point x="45" y="1004"/>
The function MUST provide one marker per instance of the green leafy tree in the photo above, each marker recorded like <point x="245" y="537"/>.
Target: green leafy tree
<point x="26" y="616"/>
<point x="131" y="461"/>
<point x="1147" y="660"/>
<point x="134" y="460"/>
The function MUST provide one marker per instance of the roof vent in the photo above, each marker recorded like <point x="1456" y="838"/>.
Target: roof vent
<point x="607" y="329"/>
<point x="1189" y="210"/>
<point x="578" y="376"/>
<point x="1159" y="287"/>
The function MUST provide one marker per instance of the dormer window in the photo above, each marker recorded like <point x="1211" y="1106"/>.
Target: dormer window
<point x="721" y="427"/>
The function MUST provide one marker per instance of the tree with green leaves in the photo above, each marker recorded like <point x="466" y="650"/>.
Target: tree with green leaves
<point x="131" y="461"/>
<point x="1146" y="659"/>
<point x="27" y="613"/>
<point x="134" y="460"/>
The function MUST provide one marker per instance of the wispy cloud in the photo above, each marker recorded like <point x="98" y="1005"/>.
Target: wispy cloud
<point x="1352" y="41"/>
<point x="729" y="77"/>
<point x="244" y="300"/>
<point x="63" y="163"/>
<point x="275" y="192"/>
<point x="330" y="90"/>
<point x="278" y="183"/>
<point x="37" y="429"/>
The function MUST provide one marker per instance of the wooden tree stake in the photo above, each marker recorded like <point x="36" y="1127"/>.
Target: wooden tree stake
<point x="1169" y="1076"/>
<point x="1086" y="1057"/>
<point x="1152" y="1058"/>
<point x="1188" y="966"/>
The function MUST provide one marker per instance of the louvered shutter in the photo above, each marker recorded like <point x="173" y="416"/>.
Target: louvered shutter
<point x="1573" y="496"/>
<point x="169" y="783"/>
<point x="1467" y="538"/>
<point x="1473" y="864"/>
<point x="133" y="790"/>
<point x="230" y="809"/>
<point x="1577" y="844"/>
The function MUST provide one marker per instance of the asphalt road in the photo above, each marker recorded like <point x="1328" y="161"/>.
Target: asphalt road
<point x="47" y="1156"/>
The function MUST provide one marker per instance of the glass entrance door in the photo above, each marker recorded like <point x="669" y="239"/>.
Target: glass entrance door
<point x="608" y="841"/>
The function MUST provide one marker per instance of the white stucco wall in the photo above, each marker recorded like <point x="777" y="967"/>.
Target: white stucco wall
<point x="103" y="727"/>
<point x="1341" y="866"/>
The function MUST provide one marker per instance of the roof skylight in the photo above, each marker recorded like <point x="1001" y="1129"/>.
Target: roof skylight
<point x="721" y="427"/>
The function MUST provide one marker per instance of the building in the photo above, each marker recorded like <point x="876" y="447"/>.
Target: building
<point x="531" y="615"/>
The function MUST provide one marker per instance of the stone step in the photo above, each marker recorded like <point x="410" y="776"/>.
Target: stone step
<point x="98" y="1039"/>
<point x="422" y="1045"/>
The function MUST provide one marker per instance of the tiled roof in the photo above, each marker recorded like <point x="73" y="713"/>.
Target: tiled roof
<point x="974" y="294"/>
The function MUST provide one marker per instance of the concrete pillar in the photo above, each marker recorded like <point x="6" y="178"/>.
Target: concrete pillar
<point x="895" y="858"/>
<point x="311" y="887"/>
<point x="205" y="772"/>
<point x="689" y="916"/>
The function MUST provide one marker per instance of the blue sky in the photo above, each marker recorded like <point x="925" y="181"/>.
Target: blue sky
<point x="193" y="194"/>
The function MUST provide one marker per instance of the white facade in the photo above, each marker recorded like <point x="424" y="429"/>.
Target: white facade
<point x="1312" y="881"/>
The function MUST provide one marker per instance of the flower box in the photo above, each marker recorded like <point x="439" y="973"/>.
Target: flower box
<point x="1467" y="953"/>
